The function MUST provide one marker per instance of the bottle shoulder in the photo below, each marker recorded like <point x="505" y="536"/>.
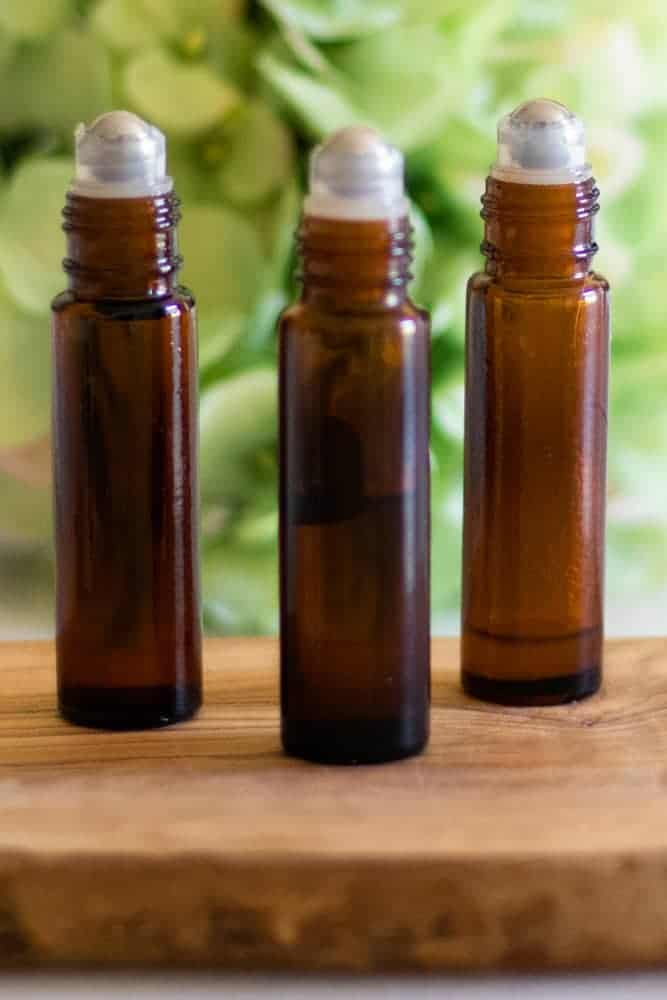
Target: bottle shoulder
<point x="179" y="302"/>
<point x="303" y="316"/>
<point x="598" y="281"/>
<point x="481" y="284"/>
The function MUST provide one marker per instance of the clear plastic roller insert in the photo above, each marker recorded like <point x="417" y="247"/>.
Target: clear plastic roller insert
<point x="541" y="142"/>
<point x="120" y="156"/>
<point x="355" y="174"/>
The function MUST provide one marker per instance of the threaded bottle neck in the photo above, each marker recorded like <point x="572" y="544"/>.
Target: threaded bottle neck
<point x="539" y="231"/>
<point x="360" y="264"/>
<point x="123" y="248"/>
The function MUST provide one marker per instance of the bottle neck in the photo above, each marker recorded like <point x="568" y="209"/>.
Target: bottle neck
<point x="121" y="248"/>
<point x="539" y="231"/>
<point x="354" y="264"/>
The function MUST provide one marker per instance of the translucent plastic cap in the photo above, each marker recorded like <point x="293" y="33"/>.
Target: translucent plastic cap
<point x="541" y="142"/>
<point x="355" y="174"/>
<point x="120" y="156"/>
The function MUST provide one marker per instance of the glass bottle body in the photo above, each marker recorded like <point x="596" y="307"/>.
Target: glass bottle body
<point x="125" y="480"/>
<point x="535" y="461"/>
<point x="354" y="504"/>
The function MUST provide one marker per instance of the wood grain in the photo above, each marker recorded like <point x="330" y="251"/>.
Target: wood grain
<point x="523" y="837"/>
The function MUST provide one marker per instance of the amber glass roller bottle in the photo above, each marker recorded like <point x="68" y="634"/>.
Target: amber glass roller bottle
<point x="536" y="423"/>
<point x="125" y="442"/>
<point x="354" y="492"/>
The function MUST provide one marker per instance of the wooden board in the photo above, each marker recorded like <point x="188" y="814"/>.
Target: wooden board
<point x="523" y="838"/>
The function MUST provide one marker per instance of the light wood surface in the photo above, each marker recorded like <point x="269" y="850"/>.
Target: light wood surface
<point x="522" y="838"/>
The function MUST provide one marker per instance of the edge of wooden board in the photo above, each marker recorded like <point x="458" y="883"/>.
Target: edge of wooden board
<point x="493" y="913"/>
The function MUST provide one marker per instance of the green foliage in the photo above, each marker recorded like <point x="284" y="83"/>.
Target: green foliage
<point x="122" y="25"/>
<point x="181" y="98"/>
<point x="237" y="443"/>
<point x="334" y="19"/>
<point x="259" y="156"/>
<point x="26" y="514"/>
<point x="240" y="585"/>
<point x="30" y="241"/>
<point x="27" y="19"/>
<point x="25" y="374"/>
<point x="242" y="90"/>
<point x="399" y="80"/>
<point x="224" y="264"/>
<point x="55" y="83"/>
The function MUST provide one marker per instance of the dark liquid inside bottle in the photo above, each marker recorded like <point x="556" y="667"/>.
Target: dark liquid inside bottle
<point x="354" y="529"/>
<point x="125" y="434"/>
<point x="360" y="641"/>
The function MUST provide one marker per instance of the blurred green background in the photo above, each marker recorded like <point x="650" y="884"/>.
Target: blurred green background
<point x="242" y="90"/>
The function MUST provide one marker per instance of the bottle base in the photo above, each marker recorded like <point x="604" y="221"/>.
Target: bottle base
<point x="354" y="741"/>
<point x="546" y="691"/>
<point x="128" y="708"/>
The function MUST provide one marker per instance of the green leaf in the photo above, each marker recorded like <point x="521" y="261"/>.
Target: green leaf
<point x="279" y="226"/>
<point x="474" y="31"/>
<point x="423" y="248"/>
<point x="25" y="375"/>
<point x="640" y="202"/>
<point x="215" y="347"/>
<point x="183" y="99"/>
<point x="449" y="184"/>
<point x="445" y="283"/>
<point x="533" y="21"/>
<point x="319" y="106"/>
<point x="240" y="586"/>
<point x="260" y="156"/>
<point x="33" y="18"/>
<point x="292" y="43"/>
<point x="599" y="70"/>
<point x="223" y="265"/>
<point x="123" y="25"/>
<point x="638" y="427"/>
<point x="56" y="84"/>
<point x="639" y="314"/>
<point x="238" y="440"/>
<point x="448" y="409"/>
<point x="26" y="585"/>
<point x="192" y="181"/>
<point x="194" y="26"/>
<point x="446" y="520"/>
<point x="400" y="80"/>
<point x="31" y="243"/>
<point x="636" y="558"/>
<point x="7" y="45"/>
<point x="257" y="527"/>
<point x="433" y="12"/>
<point x="173" y="18"/>
<point x="335" y="19"/>
<point x="25" y="512"/>
<point x="230" y="48"/>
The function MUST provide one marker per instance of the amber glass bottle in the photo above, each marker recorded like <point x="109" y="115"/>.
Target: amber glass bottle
<point x="124" y="443"/>
<point x="536" y="428"/>
<point x="354" y="492"/>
